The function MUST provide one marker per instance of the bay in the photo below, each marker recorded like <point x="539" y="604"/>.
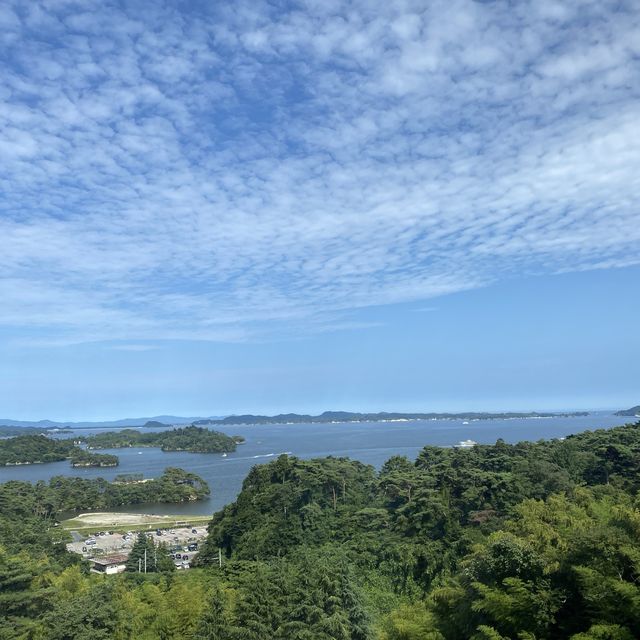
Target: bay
<point x="370" y="442"/>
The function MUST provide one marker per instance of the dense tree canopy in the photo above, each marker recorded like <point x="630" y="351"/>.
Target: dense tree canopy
<point x="195" y="439"/>
<point x="84" y="458"/>
<point x="36" y="449"/>
<point x="32" y="449"/>
<point x="63" y="493"/>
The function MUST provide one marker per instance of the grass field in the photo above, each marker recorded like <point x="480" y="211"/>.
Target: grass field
<point x="129" y="521"/>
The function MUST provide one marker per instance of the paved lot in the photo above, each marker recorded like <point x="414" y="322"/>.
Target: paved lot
<point x="176" y="540"/>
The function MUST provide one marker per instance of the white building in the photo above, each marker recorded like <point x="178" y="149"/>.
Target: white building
<point x="109" y="564"/>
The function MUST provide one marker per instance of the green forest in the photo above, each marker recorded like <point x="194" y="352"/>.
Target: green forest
<point x="63" y="493"/>
<point x="33" y="449"/>
<point x="532" y="541"/>
<point x="194" y="439"/>
<point x="37" y="449"/>
<point x="84" y="458"/>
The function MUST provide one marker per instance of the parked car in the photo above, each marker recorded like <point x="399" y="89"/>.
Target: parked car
<point x="194" y="531"/>
<point x="193" y="546"/>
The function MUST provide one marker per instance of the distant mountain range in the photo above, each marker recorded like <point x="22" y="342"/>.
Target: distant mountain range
<point x="633" y="412"/>
<point x="125" y="422"/>
<point x="347" y="416"/>
<point x="294" y="418"/>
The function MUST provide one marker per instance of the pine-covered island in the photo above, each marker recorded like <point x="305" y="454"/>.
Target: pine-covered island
<point x="192" y="439"/>
<point x="36" y="449"/>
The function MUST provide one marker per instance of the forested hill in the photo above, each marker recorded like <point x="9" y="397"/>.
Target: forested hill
<point x="629" y="413"/>
<point x="347" y="416"/>
<point x="194" y="439"/>
<point x="533" y="540"/>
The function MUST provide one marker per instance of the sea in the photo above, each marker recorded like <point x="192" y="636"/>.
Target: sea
<point x="370" y="442"/>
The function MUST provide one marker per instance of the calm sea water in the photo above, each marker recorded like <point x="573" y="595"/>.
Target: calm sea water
<point x="371" y="443"/>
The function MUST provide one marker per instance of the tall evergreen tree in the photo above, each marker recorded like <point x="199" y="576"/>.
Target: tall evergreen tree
<point x="214" y="624"/>
<point x="142" y="556"/>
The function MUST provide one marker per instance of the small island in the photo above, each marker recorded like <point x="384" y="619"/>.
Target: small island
<point x="192" y="439"/>
<point x="154" y="424"/>
<point x="84" y="458"/>
<point x="174" y="485"/>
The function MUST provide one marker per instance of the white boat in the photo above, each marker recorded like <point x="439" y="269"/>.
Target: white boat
<point x="466" y="422"/>
<point x="224" y="455"/>
<point x="465" y="444"/>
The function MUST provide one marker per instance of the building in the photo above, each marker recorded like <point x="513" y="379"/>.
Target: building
<point x="109" y="564"/>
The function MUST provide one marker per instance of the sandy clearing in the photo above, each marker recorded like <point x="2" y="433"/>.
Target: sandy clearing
<point x="108" y="519"/>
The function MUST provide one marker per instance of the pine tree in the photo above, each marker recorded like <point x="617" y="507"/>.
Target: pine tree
<point x="136" y="560"/>
<point x="162" y="559"/>
<point x="214" y="624"/>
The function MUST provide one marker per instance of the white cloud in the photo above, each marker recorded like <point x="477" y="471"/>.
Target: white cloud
<point x="237" y="172"/>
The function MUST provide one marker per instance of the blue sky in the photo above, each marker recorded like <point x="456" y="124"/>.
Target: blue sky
<point x="218" y="207"/>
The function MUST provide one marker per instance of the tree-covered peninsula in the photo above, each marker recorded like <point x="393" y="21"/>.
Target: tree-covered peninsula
<point x="193" y="439"/>
<point x="629" y="413"/>
<point x="63" y="493"/>
<point x="531" y="541"/>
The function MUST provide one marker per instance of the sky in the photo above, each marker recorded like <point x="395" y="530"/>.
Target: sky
<point x="209" y="208"/>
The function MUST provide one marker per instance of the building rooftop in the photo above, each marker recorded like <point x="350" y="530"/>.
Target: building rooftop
<point x="113" y="559"/>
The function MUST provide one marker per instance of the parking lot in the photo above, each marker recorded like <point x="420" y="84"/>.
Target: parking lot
<point x="181" y="542"/>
